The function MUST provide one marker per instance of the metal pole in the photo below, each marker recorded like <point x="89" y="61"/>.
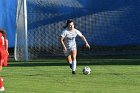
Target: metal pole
<point x="26" y="32"/>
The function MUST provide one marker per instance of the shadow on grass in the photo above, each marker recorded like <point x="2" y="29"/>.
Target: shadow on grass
<point x="80" y="63"/>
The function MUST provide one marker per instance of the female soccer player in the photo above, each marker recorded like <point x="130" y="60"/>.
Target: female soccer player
<point x="3" y="54"/>
<point x="68" y="42"/>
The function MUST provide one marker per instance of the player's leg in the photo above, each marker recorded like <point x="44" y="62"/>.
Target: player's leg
<point x="68" y="57"/>
<point x="1" y="80"/>
<point x="1" y="84"/>
<point x="69" y="60"/>
<point x="73" y="56"/>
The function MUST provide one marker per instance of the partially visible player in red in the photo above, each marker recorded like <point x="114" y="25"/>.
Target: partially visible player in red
<point x="3" y="54"/>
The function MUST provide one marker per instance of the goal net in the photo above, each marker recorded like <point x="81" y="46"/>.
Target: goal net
<point x="110" y="27"/>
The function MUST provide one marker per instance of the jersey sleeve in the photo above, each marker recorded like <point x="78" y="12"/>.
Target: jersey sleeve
<point x="63" y="34"/>
<point x="78" y="33"/>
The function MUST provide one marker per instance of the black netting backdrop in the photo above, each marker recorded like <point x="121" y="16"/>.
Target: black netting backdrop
<point x="111" y="27"/>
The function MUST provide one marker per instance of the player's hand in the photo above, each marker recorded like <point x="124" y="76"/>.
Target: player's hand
<point x="64" y="49"/>
<point x="7" y="52"/>
<point x="87" y="45"/>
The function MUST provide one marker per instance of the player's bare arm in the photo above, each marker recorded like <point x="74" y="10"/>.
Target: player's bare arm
<point x="6" y="46"/>
<point x="62" y="43"/>
<point x="84" y="39"/>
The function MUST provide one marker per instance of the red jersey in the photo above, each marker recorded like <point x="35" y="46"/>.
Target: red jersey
<point x="3" y="52"/>
<point x="2" y="41"/>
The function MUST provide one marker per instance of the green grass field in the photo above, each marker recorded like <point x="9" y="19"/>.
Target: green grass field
<point x="54" y="76"/>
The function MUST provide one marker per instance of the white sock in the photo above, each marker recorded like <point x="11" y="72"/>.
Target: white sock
<point x="73" y="65"/>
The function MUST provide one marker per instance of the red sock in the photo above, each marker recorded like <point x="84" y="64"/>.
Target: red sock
<point x="1" y="82"/>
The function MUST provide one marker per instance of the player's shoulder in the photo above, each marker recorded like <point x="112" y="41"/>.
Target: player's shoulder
<point x="65" y="31"/>
<point x="76" y="30"/>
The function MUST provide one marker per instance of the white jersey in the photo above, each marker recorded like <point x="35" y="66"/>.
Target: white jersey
<point x="69" y="38"/>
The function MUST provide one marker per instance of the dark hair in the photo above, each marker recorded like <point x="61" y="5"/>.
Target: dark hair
<point x="3" y="33"/>
<point x="67" y="23"/>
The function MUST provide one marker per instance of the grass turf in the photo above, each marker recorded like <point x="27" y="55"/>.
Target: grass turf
<point x="54" y="76"/>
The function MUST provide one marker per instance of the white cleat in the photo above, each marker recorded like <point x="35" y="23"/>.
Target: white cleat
<point x="2" y="89"/>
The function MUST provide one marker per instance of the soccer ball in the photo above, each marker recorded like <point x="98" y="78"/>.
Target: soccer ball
<point x="86" y="70"/>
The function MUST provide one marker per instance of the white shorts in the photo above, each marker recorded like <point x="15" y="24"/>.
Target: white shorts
<point x="67" y="53"/>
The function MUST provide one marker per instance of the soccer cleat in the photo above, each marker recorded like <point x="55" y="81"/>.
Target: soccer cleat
<point x="2" y="89"/>
<point x="73" y="72"/>
<point x="70" y="66"/>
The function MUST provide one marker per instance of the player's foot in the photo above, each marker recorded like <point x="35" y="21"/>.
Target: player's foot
<point x="2" y="89"/>
<point x="70" y="66"/>
<point x="73" y="72"/>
